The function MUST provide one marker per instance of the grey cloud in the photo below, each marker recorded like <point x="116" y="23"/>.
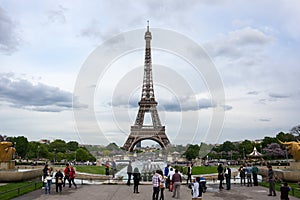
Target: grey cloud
<point x="57" y="15"/>
<point x="264" y="120"/>
<point x="278" y="95"/>
<point x="253" y="93"/>
<point x="21" y="93"/>
<point x="9" y="39"/>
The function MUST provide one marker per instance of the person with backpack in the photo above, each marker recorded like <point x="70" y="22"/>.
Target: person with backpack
<point x="254" y="175"/>
<point x="67" y="175"/>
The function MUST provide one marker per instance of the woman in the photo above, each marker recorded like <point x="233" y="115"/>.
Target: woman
<point x="162" y="185"/>
<point x="48" y="180"/>
<point x="220" y="176"/>
<point x="72" y="177"/>
<point x="136" y="180"/>
<point x="58" y="180"/>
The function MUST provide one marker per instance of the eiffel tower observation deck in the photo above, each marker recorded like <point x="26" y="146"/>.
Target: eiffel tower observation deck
<point x="147" y="104"/>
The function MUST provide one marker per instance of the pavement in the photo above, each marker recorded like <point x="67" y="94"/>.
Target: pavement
<point x="124" y="192"/>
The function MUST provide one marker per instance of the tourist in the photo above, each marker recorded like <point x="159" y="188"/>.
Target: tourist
<point x="254" y="174"/>
<point x="242" y="175"/>
<point x="136" y="180"/>
<point x="48" y="180"/>
<point x="45" y="172"/>
<point x="171" y="173"/>
<point x="220" y="176"/>
<point x="202" y="184"/>
<point x="166" y="174"/>
<point x="67" y="174"/>
<point x="162" y="185"/>
<point x="249" y="175"/>
<point x="129" y="172"/>
<point x="176" y="180"/>
<point x="189" y="174"/>
<point x="271" y="181"/>
<point x="59" y="180"/>
<point x="156" y="179"/>
<point x="195" y="189"/>
<point x="284" y="191"/>
<point x="72" y="177"/>
<point x="107" y="168"/>
<point x="113" y="168"/>
<point x="227" y="173"/>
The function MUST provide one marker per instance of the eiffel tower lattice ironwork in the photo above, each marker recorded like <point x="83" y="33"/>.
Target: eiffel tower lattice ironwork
<point x="147" y="104"/>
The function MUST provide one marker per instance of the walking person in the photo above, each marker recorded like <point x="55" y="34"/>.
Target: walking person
<point x="67" y="174"/>
<point x="113" y="168"/>
<point x="189" y="174"/>
<point x="227" y="173"/>
<point x="176" y="179"/>
<point x="162" y="186"/>
<point x="242" y="175"/>
<point x="284" y="191"/>
<point x="171" y="173"/>
<point x="136" y="180"/>
<point x="107" y="168"/>
<point x="166" y="174"/>
<point x="271" y="181"/>
<point x="156" y="179"/>
<point x="129" y="173"/>
<point x="72" y="177"/>
<point x="58" y="180"/>
<point x="249" y="175"/>
<point x="254" y="175"/>
<point x="48" y="180"/>
<point x="220" y="176"/>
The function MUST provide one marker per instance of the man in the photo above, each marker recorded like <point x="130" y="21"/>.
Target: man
<point x="156" y="179"/>
<point x="227" y="173"/>
<point x="166" y="174"/>
<point x="67" y="175"/>
<point x="248" y="175"/>
<point x="254" y="174"/>
<point x="271" y="181"/>
<point x="129" y="172"/>
<point x="176" y="179"/>
<point x="113" y="168"/>
<point x="189" y="174"/>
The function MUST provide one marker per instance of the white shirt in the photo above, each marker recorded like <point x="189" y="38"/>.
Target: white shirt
<point x="195" y="189"/>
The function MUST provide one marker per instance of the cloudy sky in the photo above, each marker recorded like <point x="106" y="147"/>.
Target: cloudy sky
<point x="45" y="47"/>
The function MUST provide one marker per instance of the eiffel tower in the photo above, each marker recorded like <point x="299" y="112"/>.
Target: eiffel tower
<point x="147" y="104"/>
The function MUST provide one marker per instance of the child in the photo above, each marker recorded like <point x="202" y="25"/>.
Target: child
<point x="284" y="189"/>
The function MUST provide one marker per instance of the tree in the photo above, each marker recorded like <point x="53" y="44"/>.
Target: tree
<point x="296" y="131"/>
<point x="245" y="147"/>
<point x="285" y="137"/>
<point x="274" y="151"/>
<point x="3" y="138"/>
<point x="192" y="152"/>
<point x="227" y="146"/>
<point x="58" y="146"/>
<point x="21" y="145"/>
<point x="268" y="140"/>
<point x="72" y="146"/>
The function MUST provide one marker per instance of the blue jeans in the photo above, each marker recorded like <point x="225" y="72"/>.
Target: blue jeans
<point x="155" y="193"/>
<point x="48" y="186"/>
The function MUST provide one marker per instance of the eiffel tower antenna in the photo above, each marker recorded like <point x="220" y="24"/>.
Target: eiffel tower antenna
<point x="147" y="104"/>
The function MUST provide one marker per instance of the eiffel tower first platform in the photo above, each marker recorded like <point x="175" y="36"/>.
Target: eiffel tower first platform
<point x="147" y="104"/>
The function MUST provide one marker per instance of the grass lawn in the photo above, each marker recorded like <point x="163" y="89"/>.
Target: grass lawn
<point x="204" y="170"/>
<point x="91" y="169"/>
<point x="25" y="187"/>
<point x="277" y="187"/>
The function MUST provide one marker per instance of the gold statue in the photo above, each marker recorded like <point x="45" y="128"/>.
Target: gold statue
<point x="293" y="148"/>
<point x="6" y="151"/>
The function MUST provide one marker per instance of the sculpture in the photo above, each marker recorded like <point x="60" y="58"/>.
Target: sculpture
<point x="6" y="151"/>
<point x="293" y="148"/>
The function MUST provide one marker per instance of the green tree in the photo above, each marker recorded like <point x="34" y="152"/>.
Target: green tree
<point x="268" y="140"/>
<point x="58" y="146"/>
<point x="285" y="137"/>
<point x="72" y="145"/>
<point x="245" y="148"/>
<point x="21" y="145"/>
<point x="192" y="152"/>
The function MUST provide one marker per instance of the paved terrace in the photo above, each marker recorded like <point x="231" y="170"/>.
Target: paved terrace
<point x="124" y="192"/>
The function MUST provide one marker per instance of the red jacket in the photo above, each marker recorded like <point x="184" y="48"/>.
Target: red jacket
<point x="72" y="172"/>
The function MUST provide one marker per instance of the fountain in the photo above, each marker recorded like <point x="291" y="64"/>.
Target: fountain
<point x="8" y="173"/>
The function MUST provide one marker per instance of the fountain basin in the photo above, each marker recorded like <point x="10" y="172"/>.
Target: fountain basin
<point x="289" y="174"/>
<point x="19" y="175"/>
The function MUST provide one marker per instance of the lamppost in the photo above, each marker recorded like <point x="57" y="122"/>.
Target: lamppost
<point x="38" y="150"/>
<point x="54" y="156"/>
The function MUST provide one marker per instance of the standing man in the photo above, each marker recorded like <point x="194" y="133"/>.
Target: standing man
<point x="113" y="168"/>
<point x="248" y="175"/>
<point x="227" y="173"/>
<point x="129" y="172"/>
<point x="176" y="179"/>
<point x="67" y="175"/>
<point x="220" y="176"/>
<point x="166" y="174"/>
<point x="156" y="179"/>
<point x="189" y="174"/>
<point x="271" y="181"/>
<point x="254" y="174"/>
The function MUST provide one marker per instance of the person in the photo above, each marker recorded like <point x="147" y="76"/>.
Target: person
<point x="227" y="173"/>
<point x="254" y="175"/>
<point x="107" y="168"/>
<point x="129" y="172"/>
<point x="171" y="173"/>
<point x="284" y="191"/>
<point x="249" y="175"/>
<point x="189" y="174"/>
<point x="45" y="172"/>
<point x="59" y="180"/>
<point x="242" y="175"/>
<point x="202" y="183"/>
<point x="113" y="168"/>
<point x="271" y="181"/>
<point x="48" y="180"/>
<point x="136" y="180"/>
<point x="67" y="174"/>
<point x="162" y="185"/>
<point x="195" y="189"/>
<point x="176" y="180"/>
<point x="72" y="177"/>
<point x="156" y="179"/>
<point x="220" y="175"/>
<point x="166" y="174"/>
